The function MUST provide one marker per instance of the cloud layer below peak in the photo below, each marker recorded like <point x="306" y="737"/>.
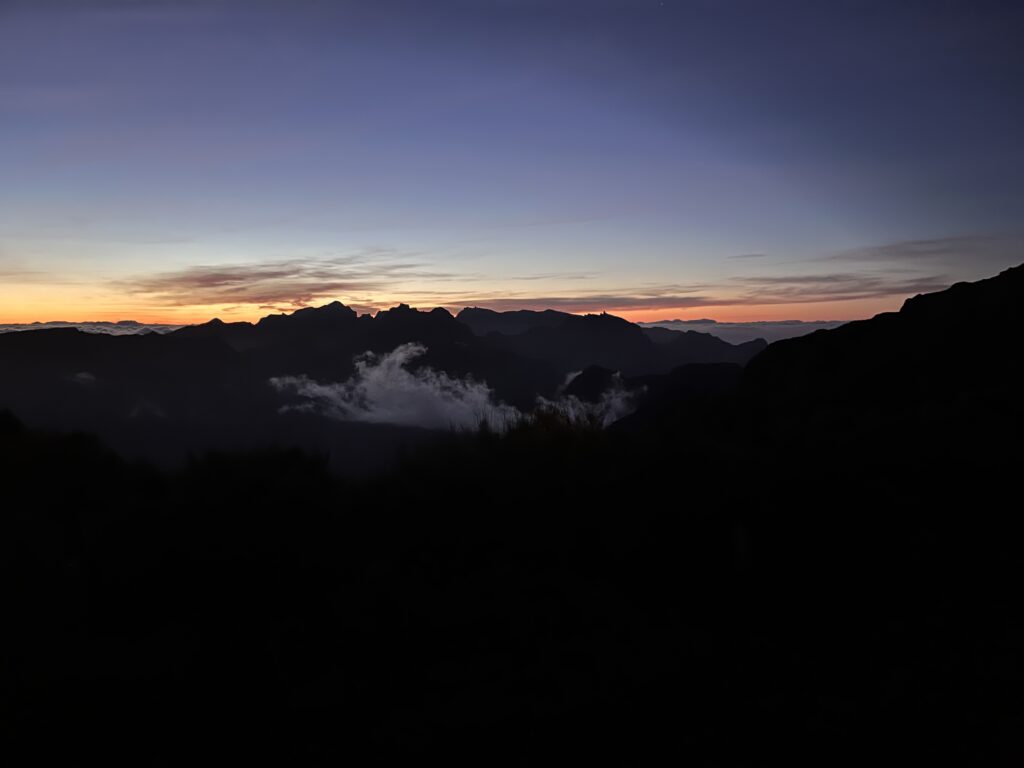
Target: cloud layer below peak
<point x="387" y="389"/>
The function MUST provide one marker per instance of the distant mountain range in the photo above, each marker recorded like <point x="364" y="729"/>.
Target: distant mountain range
<point x="206" y="386"/>
<point x="946" y="367"/>
<point x="914" y="381"/>
<point x="812" y="559"/>
<point x="738" y="333"/>
<point x="119" y="328"/>
<point x="484" y="321"/>
<point x="387" y="379"/>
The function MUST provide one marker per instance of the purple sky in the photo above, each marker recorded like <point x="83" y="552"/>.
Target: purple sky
<point x="739" y="160"/>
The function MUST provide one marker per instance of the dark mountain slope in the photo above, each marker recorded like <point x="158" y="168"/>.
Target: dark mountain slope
<point x="909" y="384"/>
<point x="485" y="321"/>
<point x="579" y="341"/>
<point x="207" y="386"/>
<point x="685" y="347"/>
<point x="712" y="585"/>
<point x="573" y="342"/>
<point x="960" y="340"/>
<point x="946" y="366"/>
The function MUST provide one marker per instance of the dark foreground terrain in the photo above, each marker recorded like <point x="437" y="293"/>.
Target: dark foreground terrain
<point x="815" y="561"/>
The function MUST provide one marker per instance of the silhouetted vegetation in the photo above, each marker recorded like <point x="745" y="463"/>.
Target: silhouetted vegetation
<point x="739" y="574"/>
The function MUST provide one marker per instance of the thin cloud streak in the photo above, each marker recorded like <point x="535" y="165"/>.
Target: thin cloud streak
<point x="376" y="278"/>
<point x="379" y="278"/>
<point x="753" y="291"/>
<point x="285" y="283"/>
<point x="989" y="248"/>
<point x="804" y="289"/>
<point x="588" y="303"/>
<point x="22" y="276"/>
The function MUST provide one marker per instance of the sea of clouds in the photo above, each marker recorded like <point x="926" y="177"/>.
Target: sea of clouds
<point x="385" y="390"/>
<point x="122" y="328"/>
<point x="738" y="333"/>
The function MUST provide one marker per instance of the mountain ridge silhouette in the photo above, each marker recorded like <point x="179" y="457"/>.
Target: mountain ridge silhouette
<point x="206" y="386"/>
<point x="813" y="559"/>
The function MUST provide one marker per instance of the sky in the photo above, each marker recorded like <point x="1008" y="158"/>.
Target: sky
<point x="742" y="161"/>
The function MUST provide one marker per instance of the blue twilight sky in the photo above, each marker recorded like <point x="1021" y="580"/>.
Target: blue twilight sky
<point x="737" y="160"/>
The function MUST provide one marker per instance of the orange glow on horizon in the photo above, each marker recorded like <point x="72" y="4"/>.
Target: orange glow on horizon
<point x="739" y="313"/>
<point x="83" y="302"/>
<point x="52" y="308"/>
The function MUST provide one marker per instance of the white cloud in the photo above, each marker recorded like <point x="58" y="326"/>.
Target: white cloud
<point x="384" y="390"/>
<point x="111" y="329"/>
<point x="615" y="402"/>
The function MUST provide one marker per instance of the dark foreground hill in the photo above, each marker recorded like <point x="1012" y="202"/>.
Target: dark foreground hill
<point x="781" y="566"/>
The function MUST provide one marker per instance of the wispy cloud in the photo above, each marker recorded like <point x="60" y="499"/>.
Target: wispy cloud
<point x="99" y="326"/>
<point x="282" y="284"/>
<point x="591" y="302"/>
<point x="20" y="275"/>
<point x="375" y="278"/>
<point x="979" y="248"/>
<point x="15" y="275"/>
<point x="385" y="389"/>
<point x="803" y="289"/>
<point x="739" y="333"/>
<point x="750" y="290"/>
<point x="390" y="389"/>
<point x="554" y="276"/>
